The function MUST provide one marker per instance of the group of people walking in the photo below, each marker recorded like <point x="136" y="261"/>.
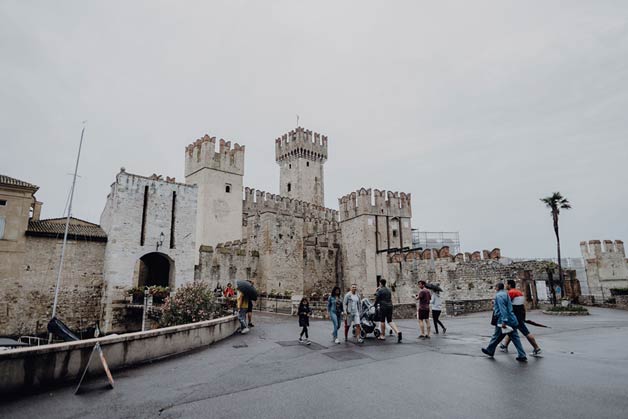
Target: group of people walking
<point x="350" y="309"/>
<point x="508" y="317"/>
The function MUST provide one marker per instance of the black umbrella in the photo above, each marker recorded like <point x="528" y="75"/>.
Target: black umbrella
<point x="247" y="289"/>
<point x="434" y="287"/>
<point x="536" y="324"/>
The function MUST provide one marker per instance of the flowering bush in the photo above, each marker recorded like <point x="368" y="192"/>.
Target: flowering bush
<point x="193" y="302"/>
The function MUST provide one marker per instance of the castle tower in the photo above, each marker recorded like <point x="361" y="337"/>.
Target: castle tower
<point x="218" y="175"/>
<point x="301" y="155"/>
<point x="373" y="223"/>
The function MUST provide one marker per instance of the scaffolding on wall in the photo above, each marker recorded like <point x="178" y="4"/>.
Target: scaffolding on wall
<point x="436" y="240"/>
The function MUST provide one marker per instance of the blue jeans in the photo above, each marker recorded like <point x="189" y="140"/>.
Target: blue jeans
<point x="336" y="321"/>
<point x="498" y="336"/>
<point x="242" y="318"/>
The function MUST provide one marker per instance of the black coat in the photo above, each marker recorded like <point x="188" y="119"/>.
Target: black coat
<point x="304" y="312"/>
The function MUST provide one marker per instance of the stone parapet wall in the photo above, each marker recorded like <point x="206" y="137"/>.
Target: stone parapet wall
<point x="29" y="369"/>
<point x="375" y="202"/>
<point x="301" y="143"/>
<point x="256" y="201"/>
<point x="202" y="154"/>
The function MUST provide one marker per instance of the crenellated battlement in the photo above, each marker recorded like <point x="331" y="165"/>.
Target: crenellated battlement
<point x="301" y="143"/>
<point x="443" y="253"/>
<point x="202" y="154"/>
<point x="594" y="249"/>
<point x="375" y="202"/>
<point x="261" y="201"/>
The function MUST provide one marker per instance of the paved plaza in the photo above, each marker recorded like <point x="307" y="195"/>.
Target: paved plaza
<point x="266" y="374"/>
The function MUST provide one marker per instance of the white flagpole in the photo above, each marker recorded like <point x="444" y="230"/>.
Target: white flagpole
<point x="67" y="226"/>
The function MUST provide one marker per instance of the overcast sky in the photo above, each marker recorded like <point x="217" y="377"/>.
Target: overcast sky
<point x="476" y="108"/>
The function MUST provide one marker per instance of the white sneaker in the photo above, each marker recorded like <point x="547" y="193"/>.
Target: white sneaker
<point x="245" y="331"/>
<point x="307" y="341"/>
<point x="337" y="340"/>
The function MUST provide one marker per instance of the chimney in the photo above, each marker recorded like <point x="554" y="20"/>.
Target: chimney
<point x="36" y="210"/>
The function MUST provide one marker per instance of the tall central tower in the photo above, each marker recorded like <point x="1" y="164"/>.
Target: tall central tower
<point x="301" y="155"/>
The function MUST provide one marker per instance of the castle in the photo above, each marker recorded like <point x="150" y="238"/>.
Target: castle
<point x="156" y="231"/>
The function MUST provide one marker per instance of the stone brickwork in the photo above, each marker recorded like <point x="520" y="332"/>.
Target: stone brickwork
<point x="218" y="176"/>
<point x="30" y="297"/>
<point x="301" y="155"/>
<point x="373" y="223"/>
<point x="226" y="263"/>
<point x="138" y="210"/>
<point x="467" y="280"/>
<point x="606" y="266"/>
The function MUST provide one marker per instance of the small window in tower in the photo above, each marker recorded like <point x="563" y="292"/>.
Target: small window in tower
<point x="289" y="166"/>
<point x="308" y="164"/>
<point x="289" y="187"/>
<point x="394" y="233"/>
<point x="3" y="202"/>
<point x="228" y="188"/>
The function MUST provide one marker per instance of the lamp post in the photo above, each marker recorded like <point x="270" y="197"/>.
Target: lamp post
<point x="161" y="241"/>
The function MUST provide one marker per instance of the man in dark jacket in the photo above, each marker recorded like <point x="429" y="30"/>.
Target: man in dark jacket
<point x="383" y="302"/>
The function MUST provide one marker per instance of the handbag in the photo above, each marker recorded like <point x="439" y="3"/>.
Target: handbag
<point x="338" y="306"/>
<point x="494" y="320"/>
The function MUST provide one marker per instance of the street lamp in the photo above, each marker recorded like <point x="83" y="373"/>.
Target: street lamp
<point x="161" y="241"/>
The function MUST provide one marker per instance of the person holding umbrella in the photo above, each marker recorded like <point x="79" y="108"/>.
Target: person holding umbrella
<point x="505" y="323"/>
<point x="243" y="307"/>
<point x="246" y="294"/>
<point x="519" y="308"/>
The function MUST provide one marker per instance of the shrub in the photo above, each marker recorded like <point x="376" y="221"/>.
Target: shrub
<point x="193" y="302"/>
<point x="567" y="309"/>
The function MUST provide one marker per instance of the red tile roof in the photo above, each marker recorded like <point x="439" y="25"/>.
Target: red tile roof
<point x="77" y="230"/>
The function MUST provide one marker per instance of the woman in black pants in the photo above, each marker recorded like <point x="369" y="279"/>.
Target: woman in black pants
<point x="304" y="320"/>
<point x="436" y="309"/>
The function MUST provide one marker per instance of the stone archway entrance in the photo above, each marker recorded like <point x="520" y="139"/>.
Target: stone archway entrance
<point x="155" y="269"/>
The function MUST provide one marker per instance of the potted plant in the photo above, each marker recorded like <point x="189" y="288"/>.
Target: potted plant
<point x="158" y="293"/>
<point x="136" y="294"/>
<point x="287" y="294"/>
<point x="272" y="293"/>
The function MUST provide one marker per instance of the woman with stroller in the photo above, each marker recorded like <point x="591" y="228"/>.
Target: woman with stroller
<point x="334" y="308"/>
<point x="304" y="320"/>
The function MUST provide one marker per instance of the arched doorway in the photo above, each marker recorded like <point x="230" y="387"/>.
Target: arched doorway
<point x="155" y="269"/>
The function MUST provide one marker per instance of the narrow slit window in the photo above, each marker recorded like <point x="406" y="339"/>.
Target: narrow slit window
<point x="143" y="231"/>
<point x="228" y="188"/>
<point x="289" y="187"/>
<point x="173" y="218"/>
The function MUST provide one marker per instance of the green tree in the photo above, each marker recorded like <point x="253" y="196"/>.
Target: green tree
<point x="555" y="203"/>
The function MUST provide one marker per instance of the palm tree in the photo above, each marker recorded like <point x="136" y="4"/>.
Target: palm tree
<point x="555" y="203"/>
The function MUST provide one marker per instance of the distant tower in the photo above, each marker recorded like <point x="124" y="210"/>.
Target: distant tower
<point x="301" y="155"/>
<point x="219" y="179"/>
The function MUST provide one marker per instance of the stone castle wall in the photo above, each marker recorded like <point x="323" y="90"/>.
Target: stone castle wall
<point x="122" y="221"/>
<point x="30" y="299"/>
<point x="606" y="266"/>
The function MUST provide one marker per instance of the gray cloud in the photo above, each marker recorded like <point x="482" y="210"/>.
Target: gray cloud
<point x="476" y="108"/>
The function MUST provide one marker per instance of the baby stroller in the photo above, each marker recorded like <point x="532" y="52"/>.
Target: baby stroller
<point x="368" y="320"/>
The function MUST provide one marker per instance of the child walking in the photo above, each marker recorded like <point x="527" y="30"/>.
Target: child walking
<point x="304" y="320"/>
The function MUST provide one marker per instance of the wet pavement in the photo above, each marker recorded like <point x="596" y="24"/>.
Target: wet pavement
<point x="583" y="373"/>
